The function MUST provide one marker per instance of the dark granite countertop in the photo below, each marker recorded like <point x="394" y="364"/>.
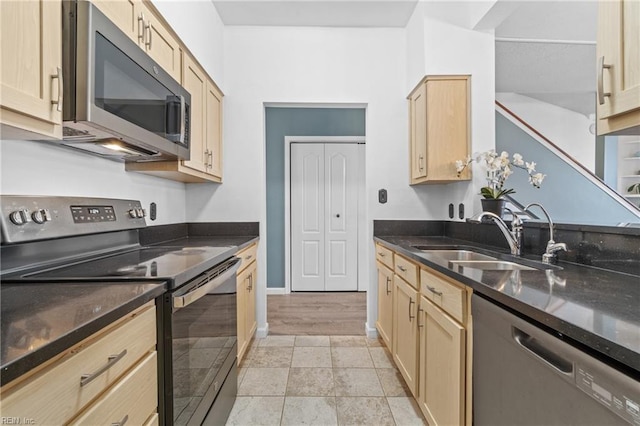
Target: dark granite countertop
<point x="210" y="241"/>
<point x="597" y="309"/>
<point x="41" y="320"/>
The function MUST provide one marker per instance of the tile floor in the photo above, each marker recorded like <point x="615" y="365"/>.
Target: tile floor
<point x="321" y="380"/>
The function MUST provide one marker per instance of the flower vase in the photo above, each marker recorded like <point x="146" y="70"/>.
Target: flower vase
<point x="494" y="205"/>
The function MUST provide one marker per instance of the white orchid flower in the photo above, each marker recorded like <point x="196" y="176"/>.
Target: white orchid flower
<point x="459" y="166"/>
<point x="517" y="159"/>
<point x="536" y="179"/>
<point x="531" y="167"/>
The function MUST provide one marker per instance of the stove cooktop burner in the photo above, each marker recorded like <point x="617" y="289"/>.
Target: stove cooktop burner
<point x="145" y="262"/>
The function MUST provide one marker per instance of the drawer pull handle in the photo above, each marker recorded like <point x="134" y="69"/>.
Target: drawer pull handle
<point x="121" y="422"/>
<point x="381" y="254"/>
<point x="249" y="257"/>
<point x="410" y="303"/>
<point x="402" y="268"/>
<point x="388" y="281"/>
<point x="434" y="291"/>
<point x="112" y="360"/>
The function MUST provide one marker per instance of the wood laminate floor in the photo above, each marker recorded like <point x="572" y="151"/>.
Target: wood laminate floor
<point x="317" y="313"/>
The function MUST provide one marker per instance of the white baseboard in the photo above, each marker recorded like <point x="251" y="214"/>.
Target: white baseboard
<point x="276" y="290"/>
<point x="262" y="332"/>
<point x="372" y="333"/>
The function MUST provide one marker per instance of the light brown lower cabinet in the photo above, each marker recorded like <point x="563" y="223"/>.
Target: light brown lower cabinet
<point x="384" y="324"/>
<point x="101" y="380"/>
<point x="405" y="332"/>
<point x="442" y="366"/>
<point x="431" y="331"/>
<point x="246" y="309"/>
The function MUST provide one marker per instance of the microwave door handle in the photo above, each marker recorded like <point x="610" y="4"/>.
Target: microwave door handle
<point x="199" y="292"/>
<point x="183" y="119"/>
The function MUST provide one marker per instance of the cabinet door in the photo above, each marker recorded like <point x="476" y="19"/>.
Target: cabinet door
<point x="195" y="81"/>
<point x="447" y="127"/>
<point x="405" y="332"/>
<point x="618" y="35"/>
<point x="385" y="304"/>
<point x="160" y="44"/>
<point x="31" y="66"/>
<point x="214" y="129"/>
<point x="251" y="325"/>
<point x="125" y="14"/>
<point x="418" y="129"/>
<point x="442" y="367"/>
<point x="242" y="285"/>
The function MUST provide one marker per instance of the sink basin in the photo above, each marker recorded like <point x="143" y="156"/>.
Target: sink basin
<point x="492" y="265"/>
<point x="459" y="255"/>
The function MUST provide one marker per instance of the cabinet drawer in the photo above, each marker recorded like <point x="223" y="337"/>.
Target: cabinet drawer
<point x="446" y="295"/>
<point x="133" y="398"/>
<point x="247" y="255"/>
<point x="406" y="269"/>
<point x="384" y="255"/>
<point x="58" y="390"/>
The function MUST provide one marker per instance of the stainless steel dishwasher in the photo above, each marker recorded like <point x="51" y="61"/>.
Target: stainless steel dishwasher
<point x="523" y="375"/>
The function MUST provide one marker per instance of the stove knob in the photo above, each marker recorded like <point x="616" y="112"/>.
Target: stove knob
<point x="41" y="216"/>
<point x="133" y="213"/>
<point x="20" y="217"/>
<point x="141" y="212"/>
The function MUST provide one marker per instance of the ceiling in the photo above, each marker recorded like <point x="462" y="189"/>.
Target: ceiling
<point x="325" y="13"/>
<point x="552" y="60"/>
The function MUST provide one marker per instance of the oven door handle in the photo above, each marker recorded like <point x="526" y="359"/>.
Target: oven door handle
<point x="180" y="301"/>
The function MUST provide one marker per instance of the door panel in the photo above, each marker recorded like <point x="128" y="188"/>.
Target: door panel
<point x="341" y="216"/>
<point x="324" y="209"/>
<point x="307" y="226"/>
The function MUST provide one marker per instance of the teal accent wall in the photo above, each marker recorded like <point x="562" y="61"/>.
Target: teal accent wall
<point x="566" y="194"/>
<point x="281" y="122"/>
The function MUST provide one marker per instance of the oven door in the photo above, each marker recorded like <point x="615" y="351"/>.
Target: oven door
<point x="203" y="346"/>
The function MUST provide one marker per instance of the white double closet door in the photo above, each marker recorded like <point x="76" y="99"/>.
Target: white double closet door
<point x="324" y="217"/>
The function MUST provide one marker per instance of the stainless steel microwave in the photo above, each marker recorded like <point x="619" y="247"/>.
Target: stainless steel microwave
<point x="118" y="102"/>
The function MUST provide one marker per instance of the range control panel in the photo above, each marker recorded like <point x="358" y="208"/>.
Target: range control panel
<point x="31" y="218"/>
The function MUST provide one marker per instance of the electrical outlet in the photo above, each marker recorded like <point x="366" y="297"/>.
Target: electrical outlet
<point x="450" y="210"/>
<point x="461" y="211"/>
<point x="382" y="196"/>
<point x="153" y="211"/>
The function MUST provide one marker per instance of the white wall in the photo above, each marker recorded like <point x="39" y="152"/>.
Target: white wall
<point x="33" y="168"/>
<point x="39" y="168"/>
<point x="450" y="49"/>
<point x="567" y="129"/>
<point x="340" y="65"/>
<point x="199" y="26"/>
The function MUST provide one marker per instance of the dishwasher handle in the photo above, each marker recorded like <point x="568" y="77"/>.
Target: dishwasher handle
<point x="180" y="301"/>
<point x="539" y="350"/>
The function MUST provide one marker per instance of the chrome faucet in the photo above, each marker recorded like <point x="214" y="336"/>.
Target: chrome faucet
<point x="549" y="255"/>
<point x="513" y="235"/>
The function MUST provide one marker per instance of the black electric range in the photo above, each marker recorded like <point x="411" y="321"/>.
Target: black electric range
<point x="62" y="241"/>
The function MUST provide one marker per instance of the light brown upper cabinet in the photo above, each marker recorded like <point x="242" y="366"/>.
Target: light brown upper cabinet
<point x="144" y="25"/>
<point x="159" y="41"/>
<point x="618" y="58"/>
<point x="205" y="163"/>
<point x="124" y="14"/>
<point x="31" y="80"/>
<point x="439" y="128"/>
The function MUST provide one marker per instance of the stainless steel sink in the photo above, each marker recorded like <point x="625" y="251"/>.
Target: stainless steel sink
<point x="463" y="255"/>
<point x="492" y="265"/>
